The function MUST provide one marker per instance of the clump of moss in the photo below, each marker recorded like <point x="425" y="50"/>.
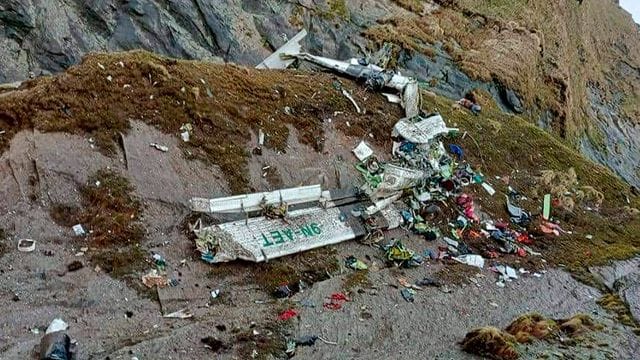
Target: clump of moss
<point x="490" y="342"/>
<point x="494" y="343"/>
<point x="110" y="211"/>
<point x="530" y="327"/>
<point x="411" y="5"/>
<point x="615" y="305"/>
<point x="357" y="279"/>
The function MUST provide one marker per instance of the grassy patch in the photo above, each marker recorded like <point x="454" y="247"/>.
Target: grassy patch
<point x="494" y="343"/>
<point x="518" y="149"/>
<point x="111" y="215"/>
<point x="415" y="6"/>
<point x="225" y="104"/>
<point x="615" y="305"/>
<point x="357" y="279"/>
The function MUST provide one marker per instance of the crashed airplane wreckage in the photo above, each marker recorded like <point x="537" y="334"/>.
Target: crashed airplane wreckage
<point x="374" y="77"/>
<point x="279" y="223"/>
<point x="289" y="221"/>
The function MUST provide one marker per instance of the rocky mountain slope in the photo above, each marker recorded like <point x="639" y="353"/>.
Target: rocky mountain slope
<point x="573" y="66"/>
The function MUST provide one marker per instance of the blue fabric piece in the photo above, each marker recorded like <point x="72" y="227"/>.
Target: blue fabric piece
<point x="456" y="150"/>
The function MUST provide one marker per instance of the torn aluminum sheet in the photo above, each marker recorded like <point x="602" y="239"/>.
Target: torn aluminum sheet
<point x="275" y="60"/>
<point x="411" y="99"/>
<point x="471" y="260"/>
<point x="375" y="78"/>
<point x="396" y="178"/>
<point x="422" y="131"/>
<point x="261" y="239"/>
<point x="255" y="202"/>
<point x="393" y="98"/>
<point x="353" y="68"/>
<point x="362" y="151"/>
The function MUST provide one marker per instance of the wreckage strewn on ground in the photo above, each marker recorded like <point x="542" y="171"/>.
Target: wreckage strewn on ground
<point x="406" y="191"/>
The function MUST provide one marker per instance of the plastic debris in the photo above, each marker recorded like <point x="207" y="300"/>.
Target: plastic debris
<point x="154" y="279"/>
<point x="162" y="148"/>
<point x="397" y="253"/>
<point x="308" y="340"/>
<point x="490" y="190"/>
<point x="78" y="230"/>
<point x="335" y="301"/>
<point x="546" y="207"/>
<point x="471" y="260"/>
<point x="457" y="151"/>
<point x="408" y="294"/>
<point x="288" y="314"/>
<point x="26" y="245"/>
<point x="355" y="264"/>
<point x="518" y="215"/>
<point x="362" y="151"/>
<point x="185" y="133"/>
<point x="215" y="293"/>
<point x="180" y="314"/>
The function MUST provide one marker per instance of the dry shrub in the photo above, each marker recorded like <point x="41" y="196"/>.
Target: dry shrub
<point x="530" y="327"/>
<point x="577" y="325"/>
<point x="563" y="185"/>
<point x="110" y="210"/>
<point x="490" y="342"/>
<point x="494" y="343"/>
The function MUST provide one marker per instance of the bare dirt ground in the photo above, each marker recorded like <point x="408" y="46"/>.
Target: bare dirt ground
<point x="110" y="317"/>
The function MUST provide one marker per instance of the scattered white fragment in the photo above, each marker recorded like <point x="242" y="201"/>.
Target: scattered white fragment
<point x="185" y="136"/>
<point x="589" y="237"/>
<point x="79" y="230"/>
<point x="160" y="147"/>
<point x="180" y="314"/>
<point x="260" y="137"/>
<point x="57" y="325"/>
<point x="126" y="86"/>
<point x="121" y="64"/>
<point x="215" y="293"/>
<point x="392" y="98"/>
<point x="353" y="101"/>
<point x="490" y="190"/>
<point x="362" y="151"/>
<point x="109" y="78"/>
<point x="471" y="260"/>
<point x="101" y="66"/>
<point x="26" y="245"/>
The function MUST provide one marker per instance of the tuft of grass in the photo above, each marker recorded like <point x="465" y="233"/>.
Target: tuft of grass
<point x="615" y="305"/>
<point x="490" y="342"/>
<point x="415" y="6"/>
<point x="110" y="210"/>
<point x="356" y="279"/>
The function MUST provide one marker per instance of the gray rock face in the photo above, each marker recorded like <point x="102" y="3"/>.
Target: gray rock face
<point x="622" y="278"/>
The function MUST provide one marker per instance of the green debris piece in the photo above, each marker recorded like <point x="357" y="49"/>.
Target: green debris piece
<point x="546" y="207"/>
<point x="355" y="264"/>
<point x="446" y="172"/>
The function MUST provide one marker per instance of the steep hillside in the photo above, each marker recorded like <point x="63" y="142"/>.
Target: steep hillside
<point x="572" y="66"/>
